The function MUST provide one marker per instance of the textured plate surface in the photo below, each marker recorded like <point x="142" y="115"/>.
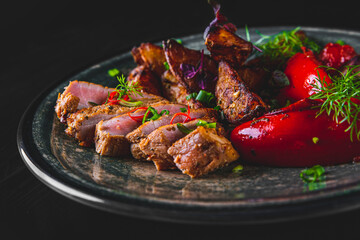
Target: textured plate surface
<point x="135" y="188"/>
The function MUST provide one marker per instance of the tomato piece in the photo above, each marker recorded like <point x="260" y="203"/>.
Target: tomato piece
<point x="303" y="72"/>
<point x="336" y="55"/>
<point x="295" y="137"/>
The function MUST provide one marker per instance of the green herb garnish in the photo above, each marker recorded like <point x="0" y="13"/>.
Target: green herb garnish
<point x="238" y="168"/>
<point x="183" y="129"/>
<point x="113" y="72"/>
<point x="341" y="98"/>
<point x="315" y="140"/>
<point x="206" y="124"/>
<point x="312" y="174"/>
<point x="155" y="114"/>
<point x="280" y="47"/>
<point x="126" y="88"/>
<point x="203" y="96"/>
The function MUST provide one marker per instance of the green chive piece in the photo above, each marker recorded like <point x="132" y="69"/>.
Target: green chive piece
<point x="312" y="174"/>
<point x="191" y="96"/>
<point x="166" y="65"/>
<point x="206" y="124"/>
<point x="205" y="97"/>
<point x="238" y="168"/>
<point x="113" y="72"/>
<point x="183" y="110"/>
<point x="315" y="140"/>
<point x="341" y="42"/>
<point x="183" y="129"/>
<point x="130" y="104"/>
<point x="93" y="104"/>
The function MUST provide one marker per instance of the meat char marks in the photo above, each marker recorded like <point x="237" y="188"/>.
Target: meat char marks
<point x="202" y="151"/>
<point x="136" y="136"/>
<point x="75" y="108"/>
<point x="156" y="144"/>
<point x="79" y="95"/>
<point x="110" y="135"/>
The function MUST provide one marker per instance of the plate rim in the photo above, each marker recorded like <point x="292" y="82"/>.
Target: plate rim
<point x="230" y="214"/>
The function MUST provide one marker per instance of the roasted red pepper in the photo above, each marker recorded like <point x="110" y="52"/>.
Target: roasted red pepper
<point x="336" y="55"/>
<point x="295" y="137"/>
<point x="302" y="71"/>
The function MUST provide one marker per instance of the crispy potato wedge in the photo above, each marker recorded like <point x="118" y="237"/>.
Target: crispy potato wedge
<point x="150" y="55"/>
<point x="146" y="79"/>
<point x="237" y="101"/>
<point x="176" y="55"/>
<point x="227" y="46"/>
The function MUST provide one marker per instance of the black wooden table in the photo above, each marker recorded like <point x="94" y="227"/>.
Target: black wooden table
<point x="45" y="41"/>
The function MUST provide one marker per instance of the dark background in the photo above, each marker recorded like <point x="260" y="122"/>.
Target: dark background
<point x="42" y="42"/>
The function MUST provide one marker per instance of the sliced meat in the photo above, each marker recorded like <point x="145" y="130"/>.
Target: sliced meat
<point x="145" y="129"/>
<point x="151" y="56"/>
<point x="202" y="151"/>
<point x="238" y="103"/>
<point x="227" y="46"/>
<point x="156" y="144"/>
<point x="81" y="124"/>
<point x="114" y="130"/>
<point x="78" y="95"/>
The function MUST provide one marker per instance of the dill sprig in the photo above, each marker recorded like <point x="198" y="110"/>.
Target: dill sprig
<point x="341" y="97"/>
<point x="127" y="88"/>
<point x="280" y="47"/>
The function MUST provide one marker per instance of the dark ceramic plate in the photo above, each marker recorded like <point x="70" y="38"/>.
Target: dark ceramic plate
<point x="130" y="187"/>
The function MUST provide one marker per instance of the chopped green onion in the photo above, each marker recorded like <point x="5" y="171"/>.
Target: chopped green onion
<point x="206" y="124"/>
<point x="183" y="110"/>
<point x="205" y="97"/>
<point x="340" y="42"/>
<point x="312" y="174"/>
<point x="113" y="72"/>
<point x="191" y="96"/>
<point x="130" y="104"/>
<point x="315" y="140"/>
<point x="155" y="114"/>
<point x="238" y="168"/>
<point x="183" y="129"/>
<point x="93" y="104"/>
<point x="166" y="65"/>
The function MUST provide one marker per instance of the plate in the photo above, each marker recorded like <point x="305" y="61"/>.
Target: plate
<point x="135" y="188"/>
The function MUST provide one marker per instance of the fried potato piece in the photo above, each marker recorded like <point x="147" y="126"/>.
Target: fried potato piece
<point x="237" y="101"/>
<point x="150" y="55"/>
<point x="176" y="55"/>
<point x="146" y="79"/>
<point x="227" y="46"/>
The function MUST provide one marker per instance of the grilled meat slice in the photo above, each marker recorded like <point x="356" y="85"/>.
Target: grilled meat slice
<point x="236" y="100"/>
<point x="114" y="130"/>
<point x="143" y="77"/>
<point x="202" y="151"/>
<point x="81" y="124"/>
<point x="156" y="144"/>
<point x="181" y="59"/>
<point x="226" y="45"/>
<point x="151" y="56"/>
<point x="79" y="95"/>
<point x="145" y="129"/>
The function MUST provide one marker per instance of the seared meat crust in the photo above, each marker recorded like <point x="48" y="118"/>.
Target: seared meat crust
<point x="235" y="98"/>
<point x="202" y="151"/>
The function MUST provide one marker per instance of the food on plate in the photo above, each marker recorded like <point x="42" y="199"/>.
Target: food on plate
<point x="238" y="102"/>
<point x="109" y="132"/>
<point x="202" y="151"/>
<point x="285" y="100"/>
